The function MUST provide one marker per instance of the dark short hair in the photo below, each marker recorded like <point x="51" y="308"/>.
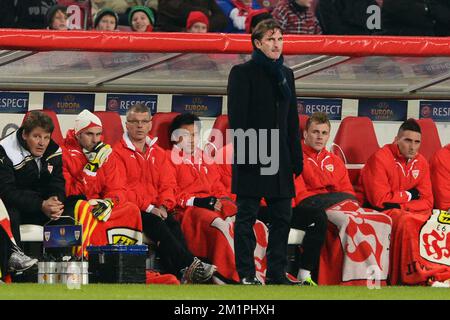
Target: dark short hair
<point x="411" y="125"/>
<point x="261" y="29"/>
<point x="51" y="12"/>
<point x="138" y="108"/>
<point x="182" y="120"/>
<point x="319" y="117"/>
<point x="36" y="119"/>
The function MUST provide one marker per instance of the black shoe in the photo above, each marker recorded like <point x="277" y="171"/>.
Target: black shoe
<point x="250" y="281"/>
<point x="283" y="281"/>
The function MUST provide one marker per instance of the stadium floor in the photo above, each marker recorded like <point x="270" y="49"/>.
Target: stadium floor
<point x="216" y="292"/>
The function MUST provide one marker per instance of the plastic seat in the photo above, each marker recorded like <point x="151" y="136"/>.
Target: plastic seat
<point x="160" y="128"/>
<point x="31" y="233"/>
<point x="112" y="126"/>
<point x="354" y="143"/>
<point x="430" y="138"/>
<point x="216" y="141"/>
<point x="302" y="119"/>
<point x="57" y="133"/>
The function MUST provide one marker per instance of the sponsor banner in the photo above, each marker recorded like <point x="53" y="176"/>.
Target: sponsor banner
<point x="439" y="111"/>
<point x="122" y="102"/>
<point x="62" y="236"/>
<point x="383" y="110"/>
<point x="332" y="107"/>
<point x="14" y="102"/>
<point x="202" y="106"/>
<point x="69" y="103"/>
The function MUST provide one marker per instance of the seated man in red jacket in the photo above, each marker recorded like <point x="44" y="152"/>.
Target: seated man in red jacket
<point x="440" y="178"/>
<point x="91" y="171"/>
<point x="358" y="238"/>
<point x="151" y="185"/>
<point x="396" y="180"/>
<point x="205" y="208"/>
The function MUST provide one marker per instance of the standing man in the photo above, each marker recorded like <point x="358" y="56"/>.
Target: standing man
<point x="262" y="106"/>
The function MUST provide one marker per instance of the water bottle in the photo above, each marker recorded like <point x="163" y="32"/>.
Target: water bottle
<point x="73" y="275"/>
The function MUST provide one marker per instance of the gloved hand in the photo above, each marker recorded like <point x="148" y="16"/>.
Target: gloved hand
<point x="389" y="205"/>
<point x="102" y="208"/>
<point x="206" y="203"/>
<point x="98" y="156"/>
<point x="414" y="194"/>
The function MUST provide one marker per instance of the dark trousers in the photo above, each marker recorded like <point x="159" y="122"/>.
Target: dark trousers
<point x="244" y="238"/>
<point x="314" y="222"/>
<point x="5" y="251"/>
<point x="171" y="244"/>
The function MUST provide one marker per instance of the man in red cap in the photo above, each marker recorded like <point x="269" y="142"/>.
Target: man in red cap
<point x="197" y="22"/>
<point x="91" y="171"/>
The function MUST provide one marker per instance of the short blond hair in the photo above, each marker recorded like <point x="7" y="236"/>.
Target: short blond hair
<point x="318" y="117"/>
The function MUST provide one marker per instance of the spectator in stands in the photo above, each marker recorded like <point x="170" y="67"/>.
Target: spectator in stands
<point x="31" y="187"/>
<point x="106" y="20"/>
<point x="151" y="186"/>
<point x="416" y="17"/>
<point x="197" y="22"/>
<point x="440" y="178"/>
<point x="141" y="19"/>
<point x="57" y="18"/>
<point x="173" y="14"/>
<point x="237" y="12"/>
<point x="9" y="19"/>
<point x="261" y="95"/>
<point x="325" y="183"/>
<point x="93" y="173"/>
<point x="296" y="17"/>
<point x="345" y="17"/>
<point x="121" y="7"/>
<point x="29" y="14"/>
<point x="255" y="17"/>
<point x="396" y="180"/>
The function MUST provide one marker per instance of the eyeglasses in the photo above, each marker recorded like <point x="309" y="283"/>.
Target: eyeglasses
<point x="138" y="122"/>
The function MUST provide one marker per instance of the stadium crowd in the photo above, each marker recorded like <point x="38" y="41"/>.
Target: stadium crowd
<point x="334" y="17"/>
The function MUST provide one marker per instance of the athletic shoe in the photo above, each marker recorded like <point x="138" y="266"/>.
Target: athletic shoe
<point x="18" y="261"/>
<point x="309" y="282"/>
<point x="198" y="272"/>
<point x="250" y="281"/>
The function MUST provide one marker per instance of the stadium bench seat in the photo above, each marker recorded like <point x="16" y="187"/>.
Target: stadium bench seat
<point x="214" y="143"/>
<point x="57" y="133"/>
<point x="302" y="119"/>
<point x="112" y="126"/>
<point x="354" y="143"/>
<point x="160" y="128"/>
<point x="430" y="138"/>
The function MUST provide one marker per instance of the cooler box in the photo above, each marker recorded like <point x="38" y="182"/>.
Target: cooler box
<point x="117" y="264"/>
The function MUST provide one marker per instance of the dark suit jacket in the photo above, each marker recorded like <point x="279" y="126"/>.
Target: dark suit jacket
<point x="253" y="103"/>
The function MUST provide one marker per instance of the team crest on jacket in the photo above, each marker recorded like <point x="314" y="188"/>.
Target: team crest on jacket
<point x="50" y="168"/>
<point x="434" y="236"/>
<point x="330" y="167"/>
<point x="415" y="173"/>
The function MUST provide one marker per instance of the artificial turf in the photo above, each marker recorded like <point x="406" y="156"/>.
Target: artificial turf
<point x="217" y="292"/>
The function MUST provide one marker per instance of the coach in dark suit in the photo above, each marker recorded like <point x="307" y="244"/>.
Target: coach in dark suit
<point x="261" y="95"/>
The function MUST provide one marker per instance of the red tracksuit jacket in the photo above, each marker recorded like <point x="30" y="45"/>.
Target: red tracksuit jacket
<point x="150" y="180"/>
<point x="196" y="177"/>
<point x="387" y="176"/>
<point x="440" y="177"/>
<point x="108" y="182"/>
<point x="323" y="172"/>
